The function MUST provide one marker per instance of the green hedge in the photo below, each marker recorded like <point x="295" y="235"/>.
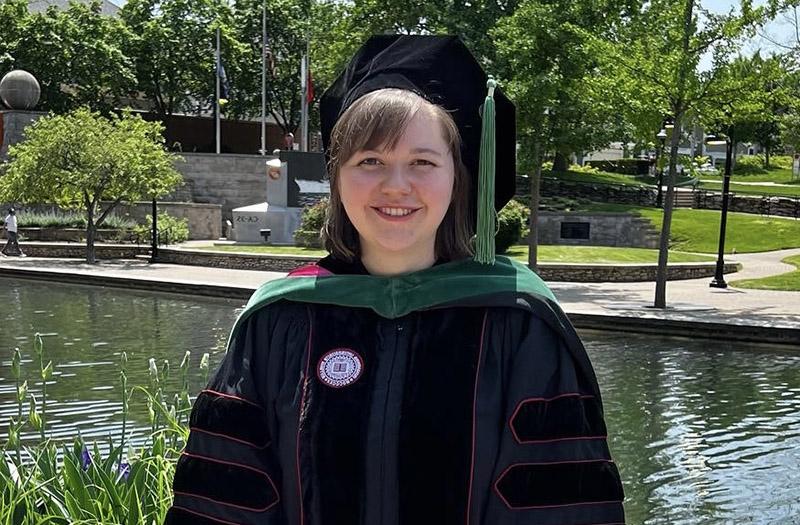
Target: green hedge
<point x="624" y="166"/>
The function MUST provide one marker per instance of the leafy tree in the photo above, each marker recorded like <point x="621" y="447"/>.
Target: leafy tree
<point x="84" y="161"/>
<point x="288" y="26"/>
<point x="656" y="59"/>
<point x="173" y="46"/>
<point x="75" y="53"/>
<point x="551" y="75"/>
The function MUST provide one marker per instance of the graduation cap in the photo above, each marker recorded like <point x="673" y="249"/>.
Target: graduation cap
<point x="441" y="70"/>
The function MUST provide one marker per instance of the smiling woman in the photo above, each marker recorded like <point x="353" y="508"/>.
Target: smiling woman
<point x="404" y="191"/>
<point x="399" y="381"/>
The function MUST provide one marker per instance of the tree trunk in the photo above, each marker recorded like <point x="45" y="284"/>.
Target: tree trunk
<point x="90" y="234"/>
<point x="766" y="158"/>
<point x="536" y="182"/>
<point x="560" y="163"/>
<point x="678" y="110"/>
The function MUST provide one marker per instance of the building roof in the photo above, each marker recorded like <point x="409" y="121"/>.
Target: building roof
<point x="40" y="6"/>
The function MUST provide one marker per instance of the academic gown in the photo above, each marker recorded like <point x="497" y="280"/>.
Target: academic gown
<point x="459" y="394"/>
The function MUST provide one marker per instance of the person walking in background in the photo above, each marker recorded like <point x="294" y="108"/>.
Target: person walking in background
<point x="10" y="225"/>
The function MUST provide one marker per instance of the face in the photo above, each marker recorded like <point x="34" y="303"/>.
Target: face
<point x="396" y="199"/>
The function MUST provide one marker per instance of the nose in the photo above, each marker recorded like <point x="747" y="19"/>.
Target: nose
<point x="397" y="181"/>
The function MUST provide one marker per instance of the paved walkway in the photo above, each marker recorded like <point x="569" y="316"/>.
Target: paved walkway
<point x="621" y="304"/>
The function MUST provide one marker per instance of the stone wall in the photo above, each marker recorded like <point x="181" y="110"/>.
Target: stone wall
<point x="763" y="205"/>
<point x="548" y="272"/>
<point x="230" y="181"/>
<point x="205" y="220"/>
<point x="78" y="251"/>
<point x="74" y="235"/>
<point x="605" y="229"/>
<point x="612" y="193"/>
<point x="12" y="127"/>
<point x="237" y="261"/>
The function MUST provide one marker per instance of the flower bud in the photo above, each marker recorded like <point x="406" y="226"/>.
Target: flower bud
<point x="15" y="364"/>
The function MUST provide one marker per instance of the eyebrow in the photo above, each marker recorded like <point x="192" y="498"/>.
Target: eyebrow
<point x="426" y="150"/>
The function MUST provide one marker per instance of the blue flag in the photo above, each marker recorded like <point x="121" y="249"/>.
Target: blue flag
<point x="225" y="88"/>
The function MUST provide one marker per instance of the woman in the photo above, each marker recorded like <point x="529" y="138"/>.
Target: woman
<point x="398" y="381"/>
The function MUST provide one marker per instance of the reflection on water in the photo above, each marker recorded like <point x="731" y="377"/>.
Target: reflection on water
<point x="85" y="329"/>
<point x="703" y="432"/>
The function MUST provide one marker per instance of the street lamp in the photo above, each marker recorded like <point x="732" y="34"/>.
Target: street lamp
<point x="728" y="141"/>
<point x="662" y="137"/>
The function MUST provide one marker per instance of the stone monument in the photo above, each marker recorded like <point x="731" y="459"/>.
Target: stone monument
<point x="290" y="175"/>
<point x="19" y="90"/>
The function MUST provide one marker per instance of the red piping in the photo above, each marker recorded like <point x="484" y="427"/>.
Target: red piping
<point x="231" y="438"/>
<point x="240" y="507"/>
<point x="510" y="507"/>
<point x="230" y="396"/>
<point x="212" y="518"/>
<point x="246" y="467"/>
<point x="546" y="400"/>
<point x="474" y="412"/>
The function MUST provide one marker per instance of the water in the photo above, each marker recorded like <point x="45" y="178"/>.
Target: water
<point x="703" y="432"/>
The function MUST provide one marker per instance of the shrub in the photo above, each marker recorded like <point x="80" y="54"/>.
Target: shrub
<point x="59" y="219"/>
<point x="624" y="166"/>
<point x="171" y="229"/>
<point x="749" y="165"/>
<point x="783" y="162"/>
<point x="510" y="222"/>
<point x="312" y="220"/>
<point x="586" y="168"/>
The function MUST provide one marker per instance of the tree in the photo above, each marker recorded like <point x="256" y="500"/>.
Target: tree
<point x="75" y="54"/>
<point x="549" y="72"/>
<point x="656" y="59"/>
<point x="84" y="161"/>
<point x="172" y="44"/>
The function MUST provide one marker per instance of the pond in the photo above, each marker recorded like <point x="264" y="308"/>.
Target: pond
<point x="704" y="432"/>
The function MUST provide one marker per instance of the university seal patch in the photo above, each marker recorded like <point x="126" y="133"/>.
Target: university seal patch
<point x="340" y="367"/>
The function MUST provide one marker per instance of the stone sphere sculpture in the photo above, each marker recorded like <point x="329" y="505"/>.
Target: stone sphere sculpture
<point x="19" y="90"/>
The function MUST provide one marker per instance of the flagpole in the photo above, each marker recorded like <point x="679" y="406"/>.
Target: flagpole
<point x="303" y="101"/>
<point x="216" y="99"/>
<point x="264" y="78"/>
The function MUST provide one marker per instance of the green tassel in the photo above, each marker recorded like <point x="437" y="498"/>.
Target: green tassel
<point x="487" y="217"/>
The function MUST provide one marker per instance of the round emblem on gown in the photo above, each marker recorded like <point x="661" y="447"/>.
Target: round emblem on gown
<point x="340" y="367"/>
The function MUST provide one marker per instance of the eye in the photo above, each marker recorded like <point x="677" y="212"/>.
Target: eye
<point x="423" y="162"/>
<point x="370" y="161"/>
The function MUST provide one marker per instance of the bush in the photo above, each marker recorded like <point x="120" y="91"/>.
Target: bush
<point x="312" y="220"/>
<point x="171" y="229"/>
<point x="749" y="165"/>
<point x="624" y="166"/>
<point x="58" y="219"/>
<point x="586" y="168"/>
<point x="783" y="162"/>
<point x="510" y="222"/>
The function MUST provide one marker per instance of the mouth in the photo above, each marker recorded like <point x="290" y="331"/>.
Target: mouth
<point x="394" y="213"/>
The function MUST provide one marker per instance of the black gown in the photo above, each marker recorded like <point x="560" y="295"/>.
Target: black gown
<point x="456" y="395"/>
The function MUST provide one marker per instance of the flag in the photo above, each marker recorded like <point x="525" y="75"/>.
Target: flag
<point x="224" y="87"/>
<point x="270" y="58"/>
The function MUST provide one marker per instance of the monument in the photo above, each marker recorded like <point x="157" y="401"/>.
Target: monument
<point x="291" y="176"/>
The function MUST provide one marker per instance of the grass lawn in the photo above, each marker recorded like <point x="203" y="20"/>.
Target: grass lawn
<point x="698" y="230"/>
<point x="601" y="177"/>
<point x="787" y="281"/>
<point x="779" y="175"/>
<point x="569" y="254"/>
<point x="274" y="250"/>
<point x="793" y="191"/>
<point x="600" y="254"/>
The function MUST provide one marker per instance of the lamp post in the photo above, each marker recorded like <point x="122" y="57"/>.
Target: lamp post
<point x="662" y="137"/>
<point x="719" y="276"/>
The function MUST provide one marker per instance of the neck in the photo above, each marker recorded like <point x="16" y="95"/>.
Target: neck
<point x="388" y="264"/>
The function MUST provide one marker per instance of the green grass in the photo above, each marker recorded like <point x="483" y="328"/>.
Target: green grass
<point x="698" y="230"/>
<point x="267" y="249"/>
<point x="601" y="177"/>
<point x="600" y="255"/>
<point x="792" y="191"/>
<point x="787" y="281"/>
<point x="774" y="174"/>
<point x="569" y="254"/>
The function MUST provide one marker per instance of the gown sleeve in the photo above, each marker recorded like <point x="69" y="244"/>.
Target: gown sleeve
<point x="228" y="472"/>
<point x="553" y="464"/>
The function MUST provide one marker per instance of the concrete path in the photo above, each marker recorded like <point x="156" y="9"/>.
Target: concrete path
<point x="693" y="307"/>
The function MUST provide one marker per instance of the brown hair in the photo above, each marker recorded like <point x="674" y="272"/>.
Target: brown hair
<point x="375" y="121"/>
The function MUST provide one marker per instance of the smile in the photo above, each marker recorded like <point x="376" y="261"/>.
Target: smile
<point x="395" y="212"/>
